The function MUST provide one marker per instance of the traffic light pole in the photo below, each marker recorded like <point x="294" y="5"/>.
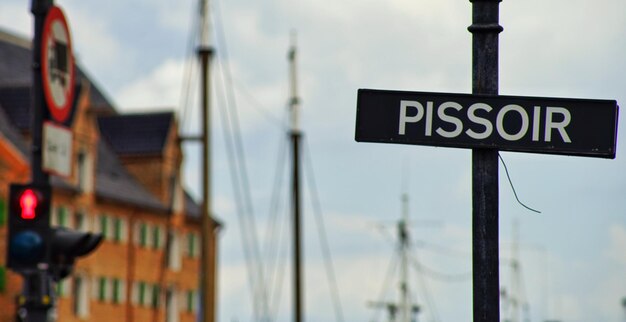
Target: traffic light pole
<point x="37" y="297"/>
<point x="39" y="8"/>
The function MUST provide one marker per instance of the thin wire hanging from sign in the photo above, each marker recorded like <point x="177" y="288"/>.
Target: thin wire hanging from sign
<point x="513" y="187"/>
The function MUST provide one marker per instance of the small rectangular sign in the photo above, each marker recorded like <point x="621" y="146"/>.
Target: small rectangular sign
<point x="57" y="149"/>
<point x="581" y="127"/>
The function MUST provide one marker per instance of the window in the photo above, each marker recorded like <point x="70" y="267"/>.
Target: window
<point x="173" y="252"/>
<point x="156" y="292"/>
<point x="59" y="288"/>
<point x="190" y="301"/>
<point x="193" y="245"/>
<point x="177" y="195"/>
<point x="156" y="237"/>
<point x="3" y="212"/>
<point x="80" y="300"/>
<point x="171" y="306"/>
<point x="118" y="291"/>
<point x="143" y="288"/>
<point x="149" y="235"/>
<point x="80" y="221"/>
<point x="84" y="172"/>
<point x="3" y="279"/>
<point x="143" y="235"/>
<point x="103" y="226"/>
<point x="102" y="289"/>
<point x="63" y="287"/>
<point x="119" y="231"/>
<point x="61" y="217"/>
<point x="139" y="293"/>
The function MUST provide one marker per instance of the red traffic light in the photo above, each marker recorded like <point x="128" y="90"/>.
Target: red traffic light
<point x="29" y="226"/>
<point x="28" y="204"/>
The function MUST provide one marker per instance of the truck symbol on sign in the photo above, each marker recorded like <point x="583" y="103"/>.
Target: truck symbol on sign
<point x="58" y="63"/>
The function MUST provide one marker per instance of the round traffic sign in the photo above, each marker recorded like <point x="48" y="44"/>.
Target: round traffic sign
<point x="57" y="65"/>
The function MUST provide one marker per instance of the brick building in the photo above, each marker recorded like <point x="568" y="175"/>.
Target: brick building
<point x="125" y="184"/>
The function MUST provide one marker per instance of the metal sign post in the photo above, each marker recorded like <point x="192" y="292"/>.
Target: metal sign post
<point x="485" y="261"/>
<point x="37" y="284"/>
<point x="40" y="9"/>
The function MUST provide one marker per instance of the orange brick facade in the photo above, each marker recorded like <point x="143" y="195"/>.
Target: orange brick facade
<point x="147" y="268"/>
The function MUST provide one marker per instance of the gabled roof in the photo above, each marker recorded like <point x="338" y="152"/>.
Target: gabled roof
<point x="15" y="65"/>
<point x="16" y="70"/>
<point x="137" y="134"/>
<point x="16" y="103"/>
<point x="12" y="135"/>
<point x="115" y="183"/>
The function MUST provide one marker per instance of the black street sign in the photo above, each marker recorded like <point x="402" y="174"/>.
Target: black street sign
<point x="566" y="126"/>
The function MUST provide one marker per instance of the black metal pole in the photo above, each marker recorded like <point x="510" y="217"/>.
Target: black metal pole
<point x="486" y="302"/>
<point x="297" y="228"/>
<point x="37" y="298"/>
<point x="39" y="8"/>
<point x="296" y="135"/>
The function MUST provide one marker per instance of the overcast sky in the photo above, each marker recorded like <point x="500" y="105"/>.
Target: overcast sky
<point x="573" y="254"/>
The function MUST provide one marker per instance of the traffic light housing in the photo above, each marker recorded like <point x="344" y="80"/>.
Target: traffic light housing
<point x="67" y="245"/>
<point x="29" y="226"/>
<point x="33" y="244"/>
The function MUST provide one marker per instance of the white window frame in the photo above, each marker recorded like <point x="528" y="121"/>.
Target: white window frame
<point x="64" y="287"/>
<point x="85" y="224"/>
<point x="171" y="305"/>
<point x="174" y="255"/>
<point x="157" y="240"/>
<point x="178" y="200"/>
<point x="99" y="294"/>
<point x="148" y="234"/>
<point x="192" y="244"/>
<point x="55" y="218"/>
<point x="118" y="291"/>
<point x="81" y="296"/>
<point x="84" y="171"/>
<point x="121" y="229"/>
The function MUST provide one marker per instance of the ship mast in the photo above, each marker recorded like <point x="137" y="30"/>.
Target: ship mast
<point x="208" y="270"/>
<point x="295" y="135"/>
<point x="403" y="235"/>
<point x="403" y="309"/>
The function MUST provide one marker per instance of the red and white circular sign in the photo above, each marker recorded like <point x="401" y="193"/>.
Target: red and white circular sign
<point x="57" y="65"/>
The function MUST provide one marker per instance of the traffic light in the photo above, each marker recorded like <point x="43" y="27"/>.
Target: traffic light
<point x="67" y="245"/>
<point x="29" y="226"/>
<point x="33" y="242"/>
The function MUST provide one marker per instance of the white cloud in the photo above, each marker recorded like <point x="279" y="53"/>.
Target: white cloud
<point x="175" y="15"/>
<point x="16" y="17"/>
<point x="159" y="89"/>
<point x="95" y="45"/>
<point x="617" y="248"/>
